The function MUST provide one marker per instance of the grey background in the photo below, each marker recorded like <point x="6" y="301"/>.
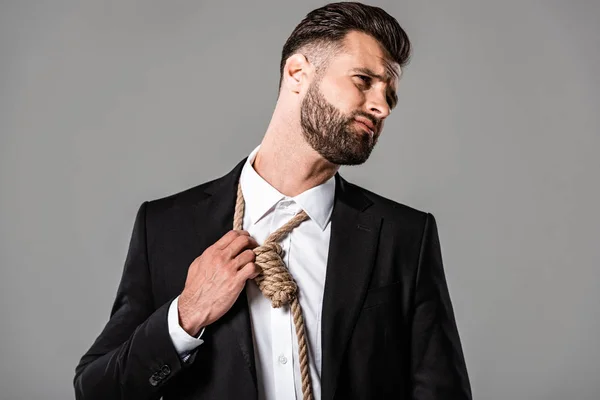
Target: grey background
<point x="106" y="104"/>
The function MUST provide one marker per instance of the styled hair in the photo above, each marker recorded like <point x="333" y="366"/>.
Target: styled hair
<point x="322" y="31"/>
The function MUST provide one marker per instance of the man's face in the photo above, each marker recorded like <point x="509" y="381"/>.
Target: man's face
<point x="343" y="110"/>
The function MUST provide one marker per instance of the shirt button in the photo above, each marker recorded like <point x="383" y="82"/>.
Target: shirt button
<point x="282" y="359"/>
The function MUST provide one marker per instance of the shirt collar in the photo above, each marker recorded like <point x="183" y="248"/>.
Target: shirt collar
<point x="260" y="197"/>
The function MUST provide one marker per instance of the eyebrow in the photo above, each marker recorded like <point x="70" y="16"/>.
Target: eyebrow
<point x="386" y="78"/>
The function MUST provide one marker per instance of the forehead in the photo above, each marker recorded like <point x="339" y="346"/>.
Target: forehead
<point x="363" y="51"/>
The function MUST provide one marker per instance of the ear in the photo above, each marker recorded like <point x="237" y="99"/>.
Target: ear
<point x="297" y="73"/>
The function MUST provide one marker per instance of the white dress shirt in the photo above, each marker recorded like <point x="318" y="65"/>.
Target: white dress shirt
<point x="305" y="254"/>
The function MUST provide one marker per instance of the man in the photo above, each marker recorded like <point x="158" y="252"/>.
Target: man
<point x="192" y="318"/>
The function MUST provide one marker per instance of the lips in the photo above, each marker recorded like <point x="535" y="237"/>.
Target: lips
<point x="366" y="127"/>
<point x="365" y="122"/>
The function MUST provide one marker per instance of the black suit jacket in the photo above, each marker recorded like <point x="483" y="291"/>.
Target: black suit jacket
<point x="388" y="328"/>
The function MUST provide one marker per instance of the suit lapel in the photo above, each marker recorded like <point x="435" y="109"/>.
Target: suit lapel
<point x="352" y="250"/>
<point x="214" y="218"/>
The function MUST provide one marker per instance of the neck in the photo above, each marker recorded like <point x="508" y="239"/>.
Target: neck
<point x="287" y="162"/>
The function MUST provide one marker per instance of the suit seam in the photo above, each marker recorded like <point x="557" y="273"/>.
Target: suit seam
<point x="146" y="253"/>
<point x="421" y="254"/>
<point x="416" y="285"/>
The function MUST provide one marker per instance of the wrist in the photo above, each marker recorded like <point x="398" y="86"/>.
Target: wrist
<point x="189" y="320"/>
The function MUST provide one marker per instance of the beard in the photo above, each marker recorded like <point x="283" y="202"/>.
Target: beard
<point x="331" y="133"/>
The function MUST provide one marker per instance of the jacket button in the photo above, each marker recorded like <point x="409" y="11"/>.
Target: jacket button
<point x="165" y="369"/>
<point x="153" y="381"/>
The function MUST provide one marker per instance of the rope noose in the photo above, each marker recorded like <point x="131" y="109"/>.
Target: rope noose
<point x="277" y="284"/>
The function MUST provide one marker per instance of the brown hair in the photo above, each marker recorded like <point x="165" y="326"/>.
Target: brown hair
<point x="324" y="29"/>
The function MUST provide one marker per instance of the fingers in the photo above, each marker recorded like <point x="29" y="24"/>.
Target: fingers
<point x="243" y="258"/>
<point x="229" y="237"/>
<point x="239" y="244"/>
<point x="250" y="271"/>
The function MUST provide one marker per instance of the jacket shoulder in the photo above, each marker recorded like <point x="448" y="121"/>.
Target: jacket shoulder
<point x="393" y="211"/>
<point x="181" y="202"/>
<point x="189" y="198"/>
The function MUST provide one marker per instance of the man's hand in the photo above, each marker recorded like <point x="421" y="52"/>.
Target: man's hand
<point x="215" y="280"/>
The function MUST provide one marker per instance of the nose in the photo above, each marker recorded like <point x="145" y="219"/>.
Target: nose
<point x="377" y="104"/>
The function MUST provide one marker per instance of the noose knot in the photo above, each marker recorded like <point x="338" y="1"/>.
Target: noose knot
<point x="274" y="281"/>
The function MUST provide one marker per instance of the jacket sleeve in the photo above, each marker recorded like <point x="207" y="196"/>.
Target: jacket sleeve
<point x="437" y="363"/>
<point x="134" y="357"/>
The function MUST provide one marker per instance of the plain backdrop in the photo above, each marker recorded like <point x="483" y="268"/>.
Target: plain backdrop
<point x="106" y="104"/>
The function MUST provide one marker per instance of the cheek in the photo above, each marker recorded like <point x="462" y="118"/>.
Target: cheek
<point x="343" y="94"/>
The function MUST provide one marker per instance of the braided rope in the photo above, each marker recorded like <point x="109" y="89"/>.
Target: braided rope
<point x="277" y="284"/>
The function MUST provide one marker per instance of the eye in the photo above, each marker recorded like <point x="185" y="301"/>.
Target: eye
<point x="366" y="79"/>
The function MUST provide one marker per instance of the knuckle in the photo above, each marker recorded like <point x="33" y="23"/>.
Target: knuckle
<point x="232" y="265"/>
<point x="229" y="253"/>
<point x="250" y="254"/>
<point x="197" y="261"/>
<point x="220" y="258"/>
<point x="253" y="270"/>
<point x="246" y="242"/>
<point x="226" y="270"/>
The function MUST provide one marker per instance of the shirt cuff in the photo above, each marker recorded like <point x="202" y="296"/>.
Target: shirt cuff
<point x="183" y="342"/>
